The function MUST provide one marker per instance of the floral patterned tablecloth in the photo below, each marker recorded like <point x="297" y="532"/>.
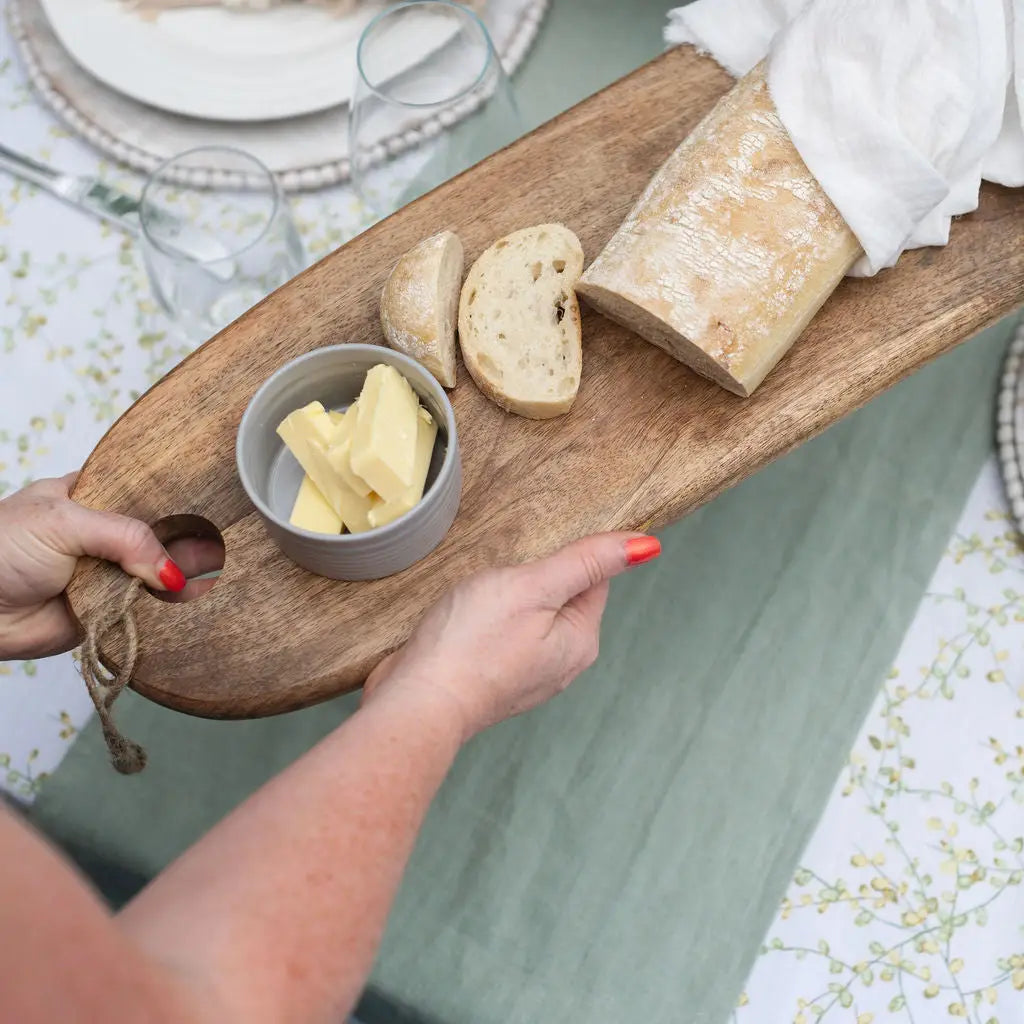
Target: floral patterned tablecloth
<point x="908" y="904"/>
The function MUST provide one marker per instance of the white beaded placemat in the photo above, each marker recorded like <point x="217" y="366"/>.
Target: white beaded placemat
<point x="306" y="152"/>
<point x="1010" y="426"/>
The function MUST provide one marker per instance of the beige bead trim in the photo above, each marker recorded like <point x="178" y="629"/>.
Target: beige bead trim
<point x="1010" y="429"/>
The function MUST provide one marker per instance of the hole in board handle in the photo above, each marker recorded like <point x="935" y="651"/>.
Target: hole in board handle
<point x="197" y="546"/>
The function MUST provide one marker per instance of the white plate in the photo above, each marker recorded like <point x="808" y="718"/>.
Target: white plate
<point x="226" y="65"/>
<point x="307" y="152"/>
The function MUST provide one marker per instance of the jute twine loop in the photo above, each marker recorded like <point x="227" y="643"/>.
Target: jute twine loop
<point x="126" y="755"/>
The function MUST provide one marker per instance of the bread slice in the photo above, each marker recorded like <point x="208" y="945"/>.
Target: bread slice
<point x="420" y="302"/>
<point x="519" y="321"/>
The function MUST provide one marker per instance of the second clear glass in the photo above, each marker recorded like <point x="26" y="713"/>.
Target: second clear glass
<point x="217" y="236"/>
<point x="431" y="99"/>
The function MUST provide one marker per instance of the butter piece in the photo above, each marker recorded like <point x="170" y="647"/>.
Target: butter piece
<point x="311" y="511"/>
<point x="384" y="512"/>
<point x="383" y="448"/>
<point x="367" y="466"/>
<point x="356" y="512"/>
<point x="306" y="432"/>
<point x="351" y="507"/>
<point x="309" y="422"/>
<point x="339" y="452"/>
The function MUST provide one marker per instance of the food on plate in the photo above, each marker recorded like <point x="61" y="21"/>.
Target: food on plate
<point x="366" y="466"/>
<point x="731" y="249"/>
<point x="419" y="306"/>
<point x="519" y="321"/>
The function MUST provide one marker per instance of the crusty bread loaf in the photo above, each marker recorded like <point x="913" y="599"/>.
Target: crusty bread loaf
<point x="420" y="302"/>
<point x="519" y="321"/>
<point x="730" y="251"/>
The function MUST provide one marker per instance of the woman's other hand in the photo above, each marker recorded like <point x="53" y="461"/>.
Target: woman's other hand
<point x="506" y="640"/>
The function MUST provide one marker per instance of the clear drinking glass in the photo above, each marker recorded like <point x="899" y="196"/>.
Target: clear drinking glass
<point x="431" y="99"/>
<point x="217" y="236"/>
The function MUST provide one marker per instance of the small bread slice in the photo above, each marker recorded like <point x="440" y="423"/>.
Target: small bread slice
<point x="420" y="302"/>
<point x="519" y="321"/>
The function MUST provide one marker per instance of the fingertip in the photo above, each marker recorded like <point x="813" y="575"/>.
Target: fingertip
<point x="171" y="577"/>
<point x="640" y="550"/>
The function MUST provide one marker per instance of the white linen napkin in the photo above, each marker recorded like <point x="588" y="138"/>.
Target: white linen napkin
<point x="898" y="107"/>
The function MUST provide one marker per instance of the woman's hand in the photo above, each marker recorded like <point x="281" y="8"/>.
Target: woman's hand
<point x="43" y="533"/>
<point x="507" y="640"/>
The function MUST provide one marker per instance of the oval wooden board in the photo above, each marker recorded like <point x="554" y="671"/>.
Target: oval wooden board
<point x="646" y="442"/>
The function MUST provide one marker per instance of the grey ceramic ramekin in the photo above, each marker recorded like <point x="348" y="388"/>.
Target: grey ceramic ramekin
<point x="271" y="475"/>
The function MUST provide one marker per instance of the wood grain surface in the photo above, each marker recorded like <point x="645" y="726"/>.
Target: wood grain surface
<point x="646" y="441"/>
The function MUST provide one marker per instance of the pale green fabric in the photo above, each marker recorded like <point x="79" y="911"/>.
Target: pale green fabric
<point x="616" y="856"/>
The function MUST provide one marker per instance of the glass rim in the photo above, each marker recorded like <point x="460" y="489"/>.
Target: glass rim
<point x="474" y="18"/>
<point x="155" y="178"/>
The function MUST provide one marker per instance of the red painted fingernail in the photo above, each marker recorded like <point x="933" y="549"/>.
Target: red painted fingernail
<point x="642" y="549"/>
<point x="172" y="577"/>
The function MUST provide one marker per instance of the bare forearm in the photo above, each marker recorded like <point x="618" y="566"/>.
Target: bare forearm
<point x="281" y="907"/>
<point x="65" y="958"/>
<point x="277" y="914"/>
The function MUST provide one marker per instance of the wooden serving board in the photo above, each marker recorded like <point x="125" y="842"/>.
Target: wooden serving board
<point x="646" y="442"/>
